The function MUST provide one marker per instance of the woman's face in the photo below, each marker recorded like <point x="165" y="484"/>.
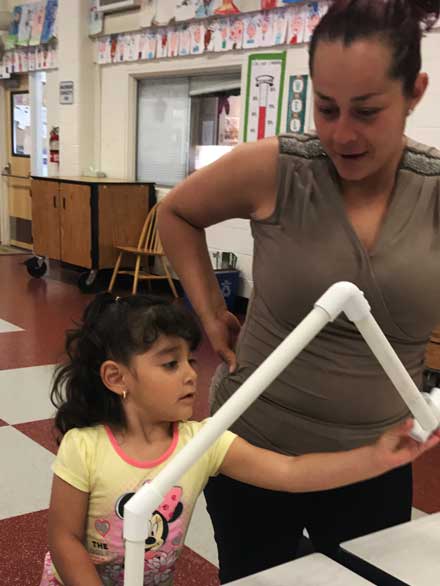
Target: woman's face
<point x="360" y="112"/>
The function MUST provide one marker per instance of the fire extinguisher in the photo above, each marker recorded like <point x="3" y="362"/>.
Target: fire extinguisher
<point x="54" y="145"/>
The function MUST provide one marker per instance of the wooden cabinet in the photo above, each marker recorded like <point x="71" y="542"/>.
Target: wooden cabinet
<point x="79" y="220"/>
<point x="432" y="357"/>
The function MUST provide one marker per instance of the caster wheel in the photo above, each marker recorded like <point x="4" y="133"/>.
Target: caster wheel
<point x="88" y="282"/>
<point x="36" y="267"/>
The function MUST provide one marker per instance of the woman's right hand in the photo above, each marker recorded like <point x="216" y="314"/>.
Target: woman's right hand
<point x="223" y="331"/>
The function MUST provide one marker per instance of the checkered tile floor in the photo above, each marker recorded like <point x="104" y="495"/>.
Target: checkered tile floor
<point x="33" y="317"/>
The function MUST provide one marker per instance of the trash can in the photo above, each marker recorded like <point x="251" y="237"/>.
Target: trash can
<point x="228" y="280"/>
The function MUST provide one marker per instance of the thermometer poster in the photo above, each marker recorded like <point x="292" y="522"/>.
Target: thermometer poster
<point x="296" y="109"/>
<point x="264" y="95"/>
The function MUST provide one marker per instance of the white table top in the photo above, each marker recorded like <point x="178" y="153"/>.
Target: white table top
<point x="311" y="570"/>
<point x="409" y="552"/>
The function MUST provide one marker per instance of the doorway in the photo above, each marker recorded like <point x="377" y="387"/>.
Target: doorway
<point x="17" y="170"/>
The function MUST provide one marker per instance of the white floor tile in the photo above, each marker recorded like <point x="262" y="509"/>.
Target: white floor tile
<point x="6" y="327"/>
<point x="416" y="514"/>
<point x="200" y="536"/>
<point x="24" y="394"/>
<point x="26" y="475"/>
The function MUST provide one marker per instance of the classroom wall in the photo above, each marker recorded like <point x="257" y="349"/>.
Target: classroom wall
<point x="100" y="129"/>
<point x="118" y="139"/>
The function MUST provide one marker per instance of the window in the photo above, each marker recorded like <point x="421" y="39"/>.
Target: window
<point x="184" y="124"/>
<point x="21" y="124"/>
<point x="163" y="130"/>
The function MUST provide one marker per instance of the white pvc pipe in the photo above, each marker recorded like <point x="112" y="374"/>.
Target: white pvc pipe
<point x="341" y="296"/>
<point x="395" y="370"/>
<point x="139" y="509"/>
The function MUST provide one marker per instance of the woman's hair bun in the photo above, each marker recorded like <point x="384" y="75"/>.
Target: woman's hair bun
<point x="426" y="12"/>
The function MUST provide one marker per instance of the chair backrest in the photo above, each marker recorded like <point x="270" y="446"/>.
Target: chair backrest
<point x="149" y="238"/>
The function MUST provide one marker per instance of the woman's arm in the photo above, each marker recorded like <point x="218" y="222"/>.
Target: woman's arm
<point x="242" y="184"/>
<point x="67" y="522"/>
<point x="313" y="472"/>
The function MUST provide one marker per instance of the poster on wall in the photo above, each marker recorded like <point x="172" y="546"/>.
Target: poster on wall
<point x="37" y="23"/>
<point x="297" y="104"/>
<point x="49" y="26"/>
<point x="264" y="91"/>
<point x="96" y="18"/>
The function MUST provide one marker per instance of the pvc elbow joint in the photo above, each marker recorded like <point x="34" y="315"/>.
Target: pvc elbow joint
<point x="346" y="297"/>
<point x="138" y="511"/>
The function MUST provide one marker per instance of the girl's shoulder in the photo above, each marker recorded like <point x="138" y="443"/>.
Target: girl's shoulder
<point x="421" y="159"/>
<point x="87" y="437"/>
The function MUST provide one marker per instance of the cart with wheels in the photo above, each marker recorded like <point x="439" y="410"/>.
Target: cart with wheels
<point x="78" y="221"/>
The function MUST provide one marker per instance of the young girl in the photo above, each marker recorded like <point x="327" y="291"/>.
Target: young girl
<point x="124" y="401"/>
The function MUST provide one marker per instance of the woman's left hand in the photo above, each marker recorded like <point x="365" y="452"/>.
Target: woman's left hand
<point x="396" y="447"/>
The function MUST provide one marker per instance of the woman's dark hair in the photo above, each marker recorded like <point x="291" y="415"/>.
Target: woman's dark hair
<point x="399" y="23"/>
<point x="111" y="329"/>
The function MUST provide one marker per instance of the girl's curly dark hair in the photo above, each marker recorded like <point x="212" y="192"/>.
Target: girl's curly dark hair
<point x="111" y="329"/>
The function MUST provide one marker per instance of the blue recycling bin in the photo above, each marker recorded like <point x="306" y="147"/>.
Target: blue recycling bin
<point x="228" y="280"/>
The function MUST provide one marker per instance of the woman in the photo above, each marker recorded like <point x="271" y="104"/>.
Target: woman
<point x="361" y="203"/>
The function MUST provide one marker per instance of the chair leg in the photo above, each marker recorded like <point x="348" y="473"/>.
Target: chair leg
<point x="115" y="273"/>
<point x="170" y="280"/>
<point x="136" y="274"/>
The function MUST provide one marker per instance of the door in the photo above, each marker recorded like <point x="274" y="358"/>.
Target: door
<point x="46" y="218"/>
<point x="18" y="137"/>
<point x="76" y="224"/>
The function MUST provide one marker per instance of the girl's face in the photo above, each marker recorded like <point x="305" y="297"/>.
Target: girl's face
<point x="360" y="112"/>
<point x="161" y="383"/>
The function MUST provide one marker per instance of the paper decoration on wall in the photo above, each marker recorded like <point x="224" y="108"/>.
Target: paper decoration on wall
<point x="173" y="42"/>
<point x="297" y="105"/>
<point x="37" y="23"/>
<point x="49" y="26"/>
<point x="296" y="23"/>
<point x="25" y="27"/>
<point x="184" y="41"/>
<point x="236" y="33"/>
<point x="12" y="36"/>
<point x="96" y="19"/>
<point x="162" y="43"/>
<point x="264" y="95"/>
<point x="314" y="12"/>
<point x="197" y="33"/>
<point x="251" y="31"/>
<point x="242" y="31"/>
<point x="279" y="26"/>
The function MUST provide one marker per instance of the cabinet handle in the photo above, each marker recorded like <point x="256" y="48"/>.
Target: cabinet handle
<point x="55" y="201"/>
<point x="64" y="203"/>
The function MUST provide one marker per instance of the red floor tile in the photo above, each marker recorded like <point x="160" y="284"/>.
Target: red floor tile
<point x="427" y="481"/>
<point x="43" y="432"/>
<point x="193" y="570"/>
<point x="23" y="545"/>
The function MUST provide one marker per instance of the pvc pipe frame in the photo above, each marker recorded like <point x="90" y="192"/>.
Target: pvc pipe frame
<point x="339" y="297"/>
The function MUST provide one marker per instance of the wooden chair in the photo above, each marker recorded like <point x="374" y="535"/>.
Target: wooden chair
<point x="149" y="245"/>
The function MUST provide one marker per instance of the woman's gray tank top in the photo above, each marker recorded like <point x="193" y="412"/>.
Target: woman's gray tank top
<point x="335" y="395"/>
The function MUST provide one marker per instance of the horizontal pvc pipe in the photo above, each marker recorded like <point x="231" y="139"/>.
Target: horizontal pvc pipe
<point x="265" y="374"/>
<point x="400" y="377"/>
